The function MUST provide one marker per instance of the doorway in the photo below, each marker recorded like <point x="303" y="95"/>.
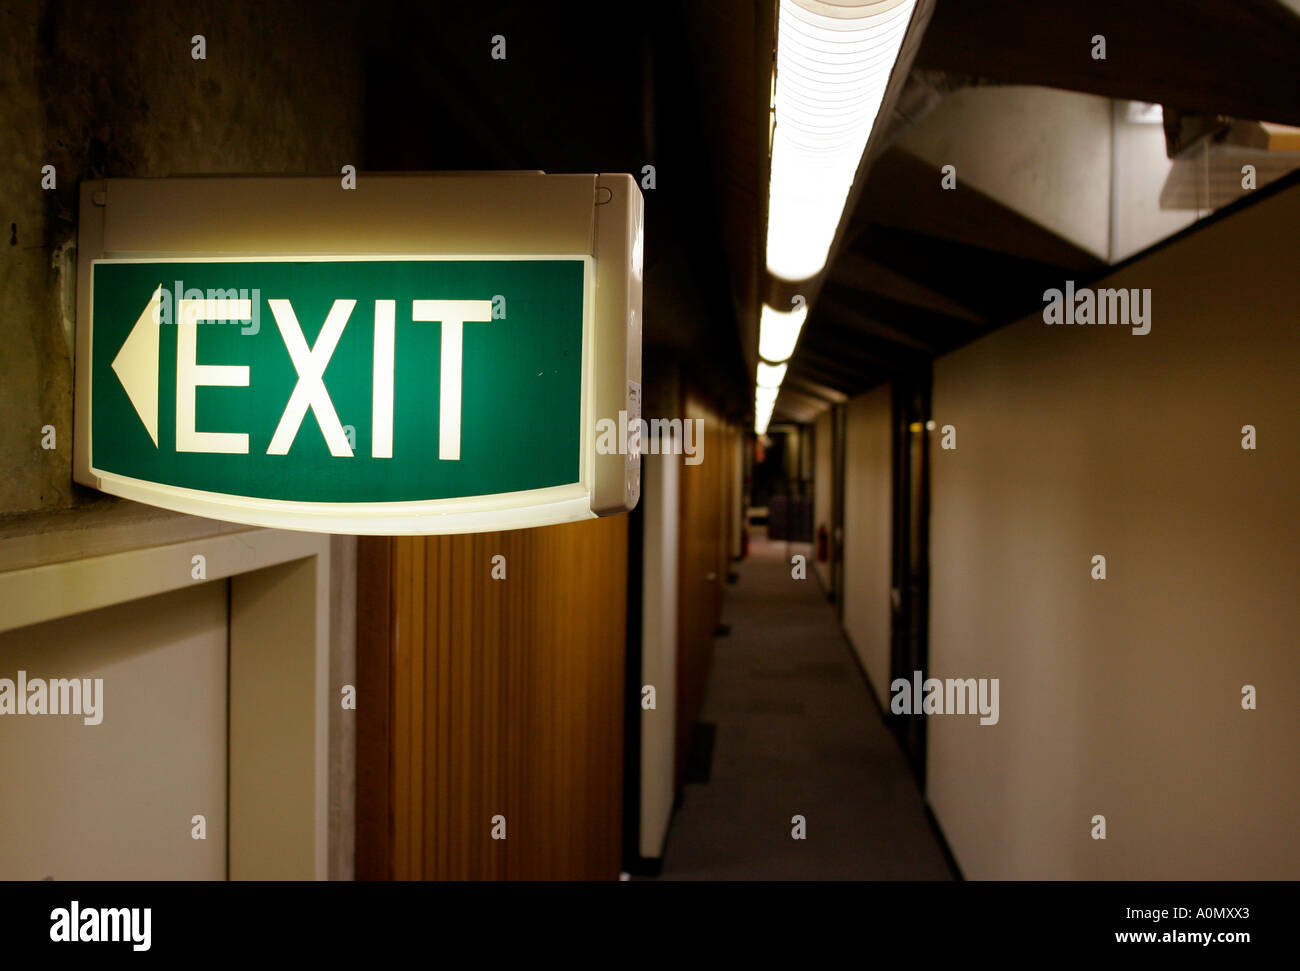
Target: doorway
<point x="910" y="587"/>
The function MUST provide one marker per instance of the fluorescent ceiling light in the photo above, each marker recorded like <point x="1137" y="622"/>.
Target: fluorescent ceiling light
<point x="831" y="74"/>
<point x="764" y="402"/>
<point x="778" y="332"/>
<point x="770" y="375"/>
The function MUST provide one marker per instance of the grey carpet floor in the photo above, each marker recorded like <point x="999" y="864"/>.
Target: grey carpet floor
<point x="797" y="734"/>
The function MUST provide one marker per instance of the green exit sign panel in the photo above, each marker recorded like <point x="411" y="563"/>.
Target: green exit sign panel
<point x="349" y="381"/>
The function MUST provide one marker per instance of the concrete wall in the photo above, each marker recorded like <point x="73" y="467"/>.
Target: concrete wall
<point x="1122" y="697"/>
<point x="1141" y="168"/>
<point x="113" y="90"/>
<point x="868" y="533"/>
<point x="1042" y="152"/>
<point x="823" y="489"/>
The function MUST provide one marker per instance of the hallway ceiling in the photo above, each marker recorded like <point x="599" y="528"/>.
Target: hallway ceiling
<point x="587" y="88"/>
<point x="919" y="272"/>
<point x="685" y="87"/>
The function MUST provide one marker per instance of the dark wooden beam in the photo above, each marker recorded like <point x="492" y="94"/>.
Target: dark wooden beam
<point x="1208" y="56"/>
<point x="858" y="349"/>
<point x="914" y="327"/>
<point x="811" y="366"/>
<point x="854" y="272"/>
<point x="999" y="287"/>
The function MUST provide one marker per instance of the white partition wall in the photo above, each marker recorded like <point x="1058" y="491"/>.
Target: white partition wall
<point x="659" y="648"/>
<point x="1122" y="697"/>
<point x="111" y="794"/>
<point x="251" y="746"/>
<point x="868" y="533"/>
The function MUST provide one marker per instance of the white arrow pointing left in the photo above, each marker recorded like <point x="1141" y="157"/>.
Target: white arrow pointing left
<point x="136" y="366"/>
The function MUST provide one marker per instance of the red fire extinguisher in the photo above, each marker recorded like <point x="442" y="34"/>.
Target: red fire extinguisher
<point x="823" y="544"/>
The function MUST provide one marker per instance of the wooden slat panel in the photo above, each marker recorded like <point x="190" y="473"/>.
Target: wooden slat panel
<point x="505" y="698"/>
<point x="403" y="634"/>
<point x="701" y="570"/>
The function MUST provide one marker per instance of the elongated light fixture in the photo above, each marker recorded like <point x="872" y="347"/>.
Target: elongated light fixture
<point x="770" y="375"/>
<point x="764" y="402"/>
<point x="778" y="332"/>
<point x="833" y="62"/>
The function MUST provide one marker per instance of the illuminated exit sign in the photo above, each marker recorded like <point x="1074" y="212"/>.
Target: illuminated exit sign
<point x="372" y="393"/>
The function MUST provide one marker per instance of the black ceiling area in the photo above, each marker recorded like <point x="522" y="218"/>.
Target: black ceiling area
<point x="685" y="86"/>
<point x="583" y="88"/>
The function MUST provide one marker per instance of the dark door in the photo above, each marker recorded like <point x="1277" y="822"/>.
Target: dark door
<point x="910" y="596"/>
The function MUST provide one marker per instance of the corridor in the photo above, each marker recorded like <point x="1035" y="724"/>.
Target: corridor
<point x="796" y="734"/>
<point x="412" y="412"/>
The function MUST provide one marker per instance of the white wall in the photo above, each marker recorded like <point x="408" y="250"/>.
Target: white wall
<point x="1122" y="697"/>
<point x="868" y="533"/>
<point x="823" y="469"/>
<point x="660" y="504"/>
<point x="275" y="797"/>
<point x="115" y="800"/>
<point x="343" y="729"/>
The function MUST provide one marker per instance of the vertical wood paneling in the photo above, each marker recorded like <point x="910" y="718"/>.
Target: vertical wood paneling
<point x="502" y="697"/>
<point x="702" y="570"/>
<point x="401" y="715"/>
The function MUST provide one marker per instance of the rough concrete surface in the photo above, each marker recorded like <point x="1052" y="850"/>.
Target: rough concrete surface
<point x="112" y="91"/>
